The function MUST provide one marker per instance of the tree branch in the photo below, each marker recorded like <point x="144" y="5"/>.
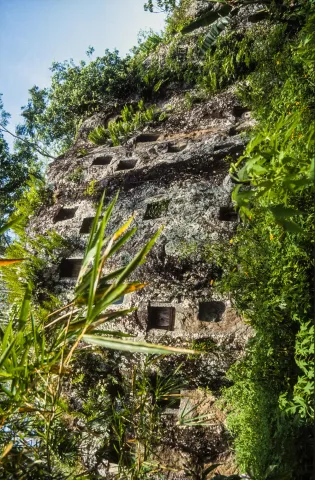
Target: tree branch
<point x="33" y="145"/>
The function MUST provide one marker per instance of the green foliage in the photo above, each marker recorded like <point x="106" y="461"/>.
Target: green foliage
<point x="161" y="5"/>
<point x="36" y="353"/>
<point x="90" y="189"/>
<point x="302" y="401"/>
<point x="232" y="57"/>
<point x="283" y="74"/>
<point x="267" y="272"/>
<point x="267" y="267"/>
<point x="39" y="251"/>
<point x="214" y="31"/>
<point x="190" y="417"/>
<point x="148" y="42"/>
<point x="15" y="169"/>
<point x="76" y="176"/>
<point x="131" y="120"/>
<point x="52" y="115"/>
<point x="133" y="409"/>
<point x="278" y="165"/>
<point x="99" y="135"/>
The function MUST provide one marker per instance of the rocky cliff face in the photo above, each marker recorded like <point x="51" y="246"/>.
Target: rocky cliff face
<point x="172" y="174"/>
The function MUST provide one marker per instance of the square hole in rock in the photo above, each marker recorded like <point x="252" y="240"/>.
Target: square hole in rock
<point x="162" y="318"/>
<point x="156" y="209"/>
<point x="148" y="137"/>
<point x="126" y="164"/>
<point x="86" y="225"/>
<point x="70" y="267"/>
<point x="238" y="110"/>
<point x="65" y="214"/>
<point x="211" y="311"/>
<point x="102" y="160"/>
<point x="227" y="214"/>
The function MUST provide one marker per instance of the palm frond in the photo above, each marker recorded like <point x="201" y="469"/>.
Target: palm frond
<point x="214" y="31"/>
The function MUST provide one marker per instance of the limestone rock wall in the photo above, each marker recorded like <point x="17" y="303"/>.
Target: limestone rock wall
<point x="173" y="175"/>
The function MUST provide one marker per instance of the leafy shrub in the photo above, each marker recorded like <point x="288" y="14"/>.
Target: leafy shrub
<point x="39" y="251"/>
<point x="131" y="120"/>
<point x="99" y="135"/>
<point x="36" y="353"/>
<point x="232" y="58"/>
<point x="267" y="266"/>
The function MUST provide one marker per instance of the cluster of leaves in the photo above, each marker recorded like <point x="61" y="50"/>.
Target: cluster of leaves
<point x="230" y="59"/>
<point x="127" y="413"/>
<point x="136" y="419"/>
<point x="36" y="353"/>
<point x="269" y="264"/>
<point x="15" y="168"/>
<point x="131" y="120"/>
<point x="38" y="251"/>
<point x="53" y="115"/>
<point x="161" y="5"/>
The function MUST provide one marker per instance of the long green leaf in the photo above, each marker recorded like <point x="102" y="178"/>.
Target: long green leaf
<point x="95" y="222"/>
<point x="107" y="317"/>
<point x="6" y="352"/>
<point x="34" y="332"/>
<point x="25" y="308"/>
<point x="214" y="31"/>
<point x="85" y="282"/>
<point x="141" y="347"/>
<point x="9" y="224"/>
<point x="281" y="211"/>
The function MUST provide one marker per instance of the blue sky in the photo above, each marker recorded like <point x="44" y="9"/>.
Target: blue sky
<point x="33" y="33"/>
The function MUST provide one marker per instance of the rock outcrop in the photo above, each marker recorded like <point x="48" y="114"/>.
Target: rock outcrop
<point x="172" y="174"/>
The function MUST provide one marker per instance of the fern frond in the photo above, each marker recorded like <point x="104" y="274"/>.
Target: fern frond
<point x="98" y="136"/>
<point x="214" y="31"/>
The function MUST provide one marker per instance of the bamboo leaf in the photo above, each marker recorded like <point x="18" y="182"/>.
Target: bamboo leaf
<point x="34" y="332"/>
<point x="122" y="229"/>
<point x="100" y="320"/>
<point x="101" y="292"/>
<point x="4" y="262"/>
<point x="95" y="222"/>
<point x="6" y="353"/>
<point x="148" y="348"/>
<point x="139" y="258"/>
<point x="25" y="308"/>
<point x="112" y="333"/>
<point x="6" y="450"/>
<point x="291" y="227"/>
<point x="281" y="211"/>
<point x="9" y="224"/>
